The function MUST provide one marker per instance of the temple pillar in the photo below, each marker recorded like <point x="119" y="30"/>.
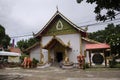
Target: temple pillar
<point x="49" y="57"/>
<point x="80" y="45"/>
<point x="65" y="53"/>
<point x="90" y="58"/>
<point x="66" y="60"/>
<point x="105" y="58"/>
<point x="41" y="55"/>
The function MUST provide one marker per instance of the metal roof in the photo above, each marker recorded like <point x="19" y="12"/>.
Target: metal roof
<point x="4" y="53"/>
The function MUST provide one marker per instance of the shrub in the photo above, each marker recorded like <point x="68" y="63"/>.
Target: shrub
<point x="34" y="62"/>
<point x="112" y="63"/>
<point x="117" y="65"/>
<point x="86" y="65"/>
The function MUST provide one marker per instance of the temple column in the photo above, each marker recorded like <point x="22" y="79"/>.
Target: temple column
<point x="80" y="45"/>
<point x="49" y="57"/>
<point x="66" y="60"/>
<point x="65" y="52"/>
<point x="105" y="58"/>
<point x="41" y="55"/>
<point x="90" y="58"/>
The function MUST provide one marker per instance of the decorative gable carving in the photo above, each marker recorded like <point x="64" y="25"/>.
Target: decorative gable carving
<point x="59" y="25"/>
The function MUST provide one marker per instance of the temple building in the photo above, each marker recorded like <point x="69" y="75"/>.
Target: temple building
<point x="60" y="39"/>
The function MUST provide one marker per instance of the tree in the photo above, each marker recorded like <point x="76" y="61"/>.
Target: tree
<point x="32" y="41"/>
<point x="112" y="8"/>
<point x="110" y="35"/>
<point x="6" y="41"/>
<point x="114" y="38"/>
<point x="24" y="44"/>
<point x="2" y="33"/>
<point x="4" y="38"/>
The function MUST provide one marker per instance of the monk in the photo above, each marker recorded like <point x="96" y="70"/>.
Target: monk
<point x="25" y="62"/>
<point x="29" y="61"/>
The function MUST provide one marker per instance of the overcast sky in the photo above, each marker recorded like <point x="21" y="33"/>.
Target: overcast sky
<point x="22" y="17"/>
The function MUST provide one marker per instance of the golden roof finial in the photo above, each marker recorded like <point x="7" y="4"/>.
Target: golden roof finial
<point x="57" y="8"/>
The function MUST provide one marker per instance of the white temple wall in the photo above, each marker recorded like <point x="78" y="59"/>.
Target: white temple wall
<point x="83" y="49"/>
<point x="35" y="53"/>
<point x="74" y="44"/>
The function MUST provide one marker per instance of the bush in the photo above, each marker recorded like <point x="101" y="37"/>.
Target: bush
<point x="86" y="65"/>
<point x="117" y="65"/>
<point x="34" y="62"/>
<point x="112" y="63"/>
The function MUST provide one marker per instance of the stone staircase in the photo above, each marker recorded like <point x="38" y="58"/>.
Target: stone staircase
<point x="55" y="64"/>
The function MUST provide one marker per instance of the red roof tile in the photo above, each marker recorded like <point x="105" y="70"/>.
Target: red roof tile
<point x="17" y="50"/>
<point x="97" y="46"/>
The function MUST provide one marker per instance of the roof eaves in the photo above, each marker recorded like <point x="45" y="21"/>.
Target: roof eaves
<point x="61" y="42"/>
<point x="97" y="46"/>
<point x="34" y="45"/>
<point x="74" y="25"/>
<point x="90" y="40"/>
<point x="58" y="40"/>
<point x="58" y="13"/>
<point x="46" y="24"/>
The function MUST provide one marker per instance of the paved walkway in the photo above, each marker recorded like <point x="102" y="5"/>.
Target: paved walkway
<point x="53" y="73"/>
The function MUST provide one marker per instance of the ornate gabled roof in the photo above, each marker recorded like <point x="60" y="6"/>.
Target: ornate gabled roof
<point x="62" y="16"/>
<point x="53" y="41"/>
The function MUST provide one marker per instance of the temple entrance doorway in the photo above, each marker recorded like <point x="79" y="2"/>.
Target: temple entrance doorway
<point x="59" y="56"/>
<point x="57" y="50"/>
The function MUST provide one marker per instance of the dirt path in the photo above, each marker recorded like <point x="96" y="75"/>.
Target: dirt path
<point x="53" y="73"/>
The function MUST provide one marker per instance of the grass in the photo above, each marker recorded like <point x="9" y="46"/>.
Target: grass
<point x="117" y="66"/>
